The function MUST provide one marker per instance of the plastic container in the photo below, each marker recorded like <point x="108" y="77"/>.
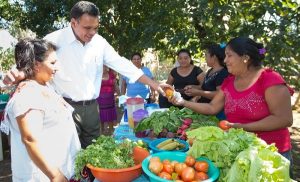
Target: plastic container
<point x="213" y="171"/>
<point x="124" y="175"/>
<point x="155" y="142"/>
<point x="138" y="115"/>
<point x="133" y="104"/>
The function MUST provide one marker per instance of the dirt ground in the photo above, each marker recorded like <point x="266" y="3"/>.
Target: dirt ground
<point x="5" y="171"/>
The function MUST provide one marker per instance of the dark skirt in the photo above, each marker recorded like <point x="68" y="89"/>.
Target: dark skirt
<point x="107" y="107"/>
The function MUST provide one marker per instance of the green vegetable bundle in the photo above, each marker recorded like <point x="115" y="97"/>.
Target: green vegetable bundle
<point x="172" y="120"/>
<point x="223" y="147"/>
<point x="105" y="152"/>
<point x="259" y="164"/>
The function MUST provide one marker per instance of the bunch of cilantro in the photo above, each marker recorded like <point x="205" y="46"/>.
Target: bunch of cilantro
<point x="105" y="152"/>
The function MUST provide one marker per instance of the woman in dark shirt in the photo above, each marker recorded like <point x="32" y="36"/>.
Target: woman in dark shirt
<point x="185" y="74"/>
<point x="214" y="56"/>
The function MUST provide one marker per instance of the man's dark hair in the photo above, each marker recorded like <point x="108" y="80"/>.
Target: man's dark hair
<point x="84" y="7"/>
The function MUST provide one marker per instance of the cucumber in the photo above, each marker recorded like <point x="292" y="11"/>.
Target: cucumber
<point x="161" y="144"/>
<point x="170" y="146"/>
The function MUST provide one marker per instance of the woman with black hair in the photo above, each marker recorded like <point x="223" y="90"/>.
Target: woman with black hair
<point x="214" y="56"/>
<point x="44" y="141"/>
<point x="254" y="98"/>
<point x="186" y="73"/>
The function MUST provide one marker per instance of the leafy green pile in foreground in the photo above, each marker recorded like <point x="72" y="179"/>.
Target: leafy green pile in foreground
<point x="259" y="164"/>
<point x="240" y="155"/>
<point x="105" y="152"/>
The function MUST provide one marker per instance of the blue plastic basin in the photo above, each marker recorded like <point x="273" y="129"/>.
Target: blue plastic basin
<point x="155" y="142"/>
<point x="213" y="171"/>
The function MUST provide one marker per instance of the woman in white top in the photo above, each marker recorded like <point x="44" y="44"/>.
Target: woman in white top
<point x="44" y="140"/>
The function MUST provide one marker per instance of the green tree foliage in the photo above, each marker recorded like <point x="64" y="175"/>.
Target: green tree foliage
<point x="166" y="26"/>
<point x="274" y="23"/>
<point x="6" y="59"/>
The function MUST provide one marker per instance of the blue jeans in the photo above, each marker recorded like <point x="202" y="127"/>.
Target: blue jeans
<point x="288" y="155"/>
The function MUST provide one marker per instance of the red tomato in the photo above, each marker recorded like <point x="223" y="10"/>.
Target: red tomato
<point x="201" y="166"/>
<point x="179" y="168"/>
<point x="173" y="163"/>
<point x="201" y="176"/>
<point x="223" y="125"/>
<point x="165" y="175"/>
<point x="155" y="167"/>
<point x="154" y="159"/>
<point x="190" y="161"/>
<point x="188" y="174"/>
<point x="168" y="168"/>
<point x="166" y="161"/>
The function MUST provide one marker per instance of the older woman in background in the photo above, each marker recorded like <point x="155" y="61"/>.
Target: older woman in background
<point x="138" y="88"/>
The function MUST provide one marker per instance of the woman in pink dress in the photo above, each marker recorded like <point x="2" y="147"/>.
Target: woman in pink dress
<point x="106" y="101"/>
<point x="254" y="98"/>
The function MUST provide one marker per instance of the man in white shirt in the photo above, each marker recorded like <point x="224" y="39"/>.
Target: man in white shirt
<point x="81" y="55"/>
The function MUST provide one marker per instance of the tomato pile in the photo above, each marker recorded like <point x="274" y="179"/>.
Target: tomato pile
<point x="187" y="171"/>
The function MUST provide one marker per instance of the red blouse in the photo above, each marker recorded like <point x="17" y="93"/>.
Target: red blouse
<point x="250" y="106"/>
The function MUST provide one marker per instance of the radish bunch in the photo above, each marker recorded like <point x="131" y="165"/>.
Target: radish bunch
<point x="181" y="132"/>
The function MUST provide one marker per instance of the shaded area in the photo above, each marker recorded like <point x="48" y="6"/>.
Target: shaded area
<point x="5" y="168"/>
<point x="295" y="135"/>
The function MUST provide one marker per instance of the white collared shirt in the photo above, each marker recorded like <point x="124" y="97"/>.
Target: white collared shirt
<point x="81" y="66"/>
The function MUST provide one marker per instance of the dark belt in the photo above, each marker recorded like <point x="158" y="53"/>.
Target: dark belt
<point x="80" y="103"/>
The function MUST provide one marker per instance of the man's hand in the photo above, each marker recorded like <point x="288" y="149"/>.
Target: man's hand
<point x="161" y="87"/>
<point x="13" y="77"/>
